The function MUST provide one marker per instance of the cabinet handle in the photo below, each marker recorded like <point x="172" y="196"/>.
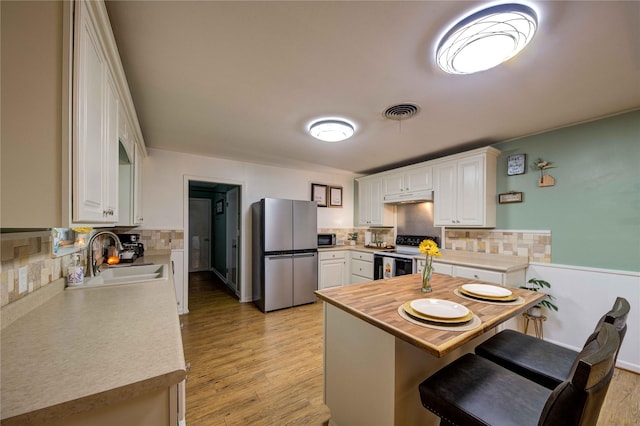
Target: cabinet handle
<point x="475" y="276"/>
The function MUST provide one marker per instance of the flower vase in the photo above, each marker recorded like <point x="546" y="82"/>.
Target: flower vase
<point x="426" y="280"/>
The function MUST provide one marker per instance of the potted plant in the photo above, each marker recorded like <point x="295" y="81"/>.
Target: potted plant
<point x="352" y="237"/>
<point x="535" y="284"/>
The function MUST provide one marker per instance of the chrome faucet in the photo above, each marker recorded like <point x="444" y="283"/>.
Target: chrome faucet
<point x="94" y="270"/>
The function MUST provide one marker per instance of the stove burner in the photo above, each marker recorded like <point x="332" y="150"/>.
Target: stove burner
<point x="415" y="240"/>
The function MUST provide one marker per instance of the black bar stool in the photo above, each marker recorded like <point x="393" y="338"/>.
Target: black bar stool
<point x="474" y="391"/>
<point x="538" y="360"/>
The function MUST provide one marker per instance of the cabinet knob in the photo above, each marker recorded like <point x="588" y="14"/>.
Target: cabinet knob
<point x="475" y="276"/>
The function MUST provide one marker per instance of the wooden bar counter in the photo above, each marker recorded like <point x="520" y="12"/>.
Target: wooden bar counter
<point x="374" y="359"/>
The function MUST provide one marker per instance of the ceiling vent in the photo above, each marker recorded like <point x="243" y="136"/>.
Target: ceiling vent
<point x="401" y="111"/>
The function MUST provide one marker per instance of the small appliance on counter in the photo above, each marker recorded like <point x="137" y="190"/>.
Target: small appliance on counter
<point x="132" y="247"/>
<point x="327" y="240"/>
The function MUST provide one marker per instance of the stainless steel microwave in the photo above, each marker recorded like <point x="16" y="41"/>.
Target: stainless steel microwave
<point x="326" y="240"/>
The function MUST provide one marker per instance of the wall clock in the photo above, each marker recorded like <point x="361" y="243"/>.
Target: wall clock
<point x="516" y="164"/>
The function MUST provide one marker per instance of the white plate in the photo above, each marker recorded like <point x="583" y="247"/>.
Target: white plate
<point x="487" y="290"/>
<point x="438" y="308"/>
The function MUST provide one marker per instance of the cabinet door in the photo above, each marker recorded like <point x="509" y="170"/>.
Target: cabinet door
<point x="444" y="202"/>
<point x="111" y="149"/>
<point x="393" y="184"/>
<point x="88" y="164"/>
<point x="331" y="273"/>
<point x="470" y="189"/>
<point x="138" y="217"/>
<point x="376" y="206"/>
<point x="364" y="202"/>
<point x="418" y="179"/>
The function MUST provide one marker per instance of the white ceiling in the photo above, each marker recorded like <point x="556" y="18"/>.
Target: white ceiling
<point x="241" y="80"/>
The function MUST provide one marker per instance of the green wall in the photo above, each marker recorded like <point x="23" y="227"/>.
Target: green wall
<point x="593" y="211"/>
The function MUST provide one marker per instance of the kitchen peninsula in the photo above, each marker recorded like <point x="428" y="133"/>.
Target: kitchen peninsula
<point x="374" y="359"/>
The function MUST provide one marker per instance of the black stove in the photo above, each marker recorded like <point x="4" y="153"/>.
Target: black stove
<point x="402" y="260"/>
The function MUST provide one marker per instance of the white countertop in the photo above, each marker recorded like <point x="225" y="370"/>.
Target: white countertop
<point x="85" y="348"/>
<point x="494" y="262"/>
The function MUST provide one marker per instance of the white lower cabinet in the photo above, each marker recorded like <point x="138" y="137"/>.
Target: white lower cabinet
<point x="332" y="268"/>
<point x="512" y="278"/>
<point x="361" y="267"/>
<point x="177" y="265"/>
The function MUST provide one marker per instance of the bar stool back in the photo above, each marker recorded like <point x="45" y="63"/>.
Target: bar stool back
<point x="538" y="360"/>
<point x="475" y="391"/>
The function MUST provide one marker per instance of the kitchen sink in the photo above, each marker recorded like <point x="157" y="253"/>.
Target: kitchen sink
<point x="127" y="275"/>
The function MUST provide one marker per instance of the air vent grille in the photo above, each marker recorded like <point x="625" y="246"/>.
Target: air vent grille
<point x="401" y="111"/>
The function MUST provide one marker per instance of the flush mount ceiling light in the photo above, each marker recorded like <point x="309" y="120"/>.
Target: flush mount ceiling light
<point x="331" y="129"/>
<point x="486" y="38"/>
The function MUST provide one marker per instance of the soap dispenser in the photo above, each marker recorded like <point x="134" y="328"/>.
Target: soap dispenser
<point x="75" y="272"/>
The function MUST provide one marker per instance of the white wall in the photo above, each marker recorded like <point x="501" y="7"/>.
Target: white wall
<point x="163" y="193"/>
<point x="583" y="295"/>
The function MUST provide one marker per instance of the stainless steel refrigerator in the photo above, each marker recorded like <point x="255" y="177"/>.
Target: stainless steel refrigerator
<point x="285" y="253"/>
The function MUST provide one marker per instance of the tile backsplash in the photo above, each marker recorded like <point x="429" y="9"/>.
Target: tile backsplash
<point x="33" y="250"/>
<point x="536" y="245"/>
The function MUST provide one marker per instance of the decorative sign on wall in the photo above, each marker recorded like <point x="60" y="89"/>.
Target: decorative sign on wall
<point x="326" y="195"/>
<point x="319" y="194"/>
<point x="516" y="164"/>
<point x="335" y="196"/>
<point x="542" y="165"/>
<point x="510" y="197"/>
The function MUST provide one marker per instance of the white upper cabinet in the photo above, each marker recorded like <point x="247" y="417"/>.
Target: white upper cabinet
<point x="89" y="142"/>
<point x="408" y="179"/>
<point x="112" y="149"/>
<point x="130" y="176"/>
<point x="371" y="209"/>
<point x="101" y="122"/>
<point x="138" y="217"/>
<point x="465" y="190"/>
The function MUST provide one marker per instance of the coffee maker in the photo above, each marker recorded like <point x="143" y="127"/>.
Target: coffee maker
<point x="132" y="247"/>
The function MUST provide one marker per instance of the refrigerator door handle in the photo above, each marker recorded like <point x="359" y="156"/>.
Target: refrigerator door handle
<point x="280" y="256"/>
<point x="304" y="255"/>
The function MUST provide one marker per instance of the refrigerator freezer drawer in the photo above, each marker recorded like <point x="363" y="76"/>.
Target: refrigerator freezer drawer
<point x="305" y="278"/>
<point x="278" y="282"/>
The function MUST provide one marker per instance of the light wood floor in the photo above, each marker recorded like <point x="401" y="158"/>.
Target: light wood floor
<point x="248" y="368"/>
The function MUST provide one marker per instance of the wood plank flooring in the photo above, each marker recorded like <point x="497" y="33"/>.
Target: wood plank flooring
<point x="248" y="368"/>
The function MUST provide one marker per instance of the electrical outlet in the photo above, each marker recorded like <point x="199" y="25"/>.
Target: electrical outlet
<point x="22" y="280"/>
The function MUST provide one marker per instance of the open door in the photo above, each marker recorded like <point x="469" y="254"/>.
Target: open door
<point x="233" y="238"/>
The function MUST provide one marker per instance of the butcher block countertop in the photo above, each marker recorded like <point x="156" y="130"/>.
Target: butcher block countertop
<point x="86" y="348"/>
<point x="377" y="303"/>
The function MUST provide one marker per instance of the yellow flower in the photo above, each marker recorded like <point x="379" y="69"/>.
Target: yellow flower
<point x="430" y="248"/>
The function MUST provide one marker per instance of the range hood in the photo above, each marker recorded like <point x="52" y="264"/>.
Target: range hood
<point x="409" y="197"/>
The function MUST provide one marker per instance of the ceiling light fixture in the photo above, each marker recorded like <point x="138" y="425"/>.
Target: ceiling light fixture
<point x="331" y="129"/>
<point x="486" y="38"/>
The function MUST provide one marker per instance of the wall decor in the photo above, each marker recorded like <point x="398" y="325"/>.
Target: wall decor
<point x="319" y="194"/>
<point x="219" y="206"/>
<point x="335" y="196"/>
<point x="511" y="197"/>
<point x="516" y="164"/>
<point x="545" y="179"/>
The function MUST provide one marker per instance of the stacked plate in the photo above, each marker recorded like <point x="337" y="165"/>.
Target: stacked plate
<point x="492" y="293"/>
<point x="437" y="311"/>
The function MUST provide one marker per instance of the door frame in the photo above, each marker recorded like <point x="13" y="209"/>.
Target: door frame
<point x="242" y="261"/>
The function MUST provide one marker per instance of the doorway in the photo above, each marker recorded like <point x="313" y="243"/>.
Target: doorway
<point x="214" y="230"/>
